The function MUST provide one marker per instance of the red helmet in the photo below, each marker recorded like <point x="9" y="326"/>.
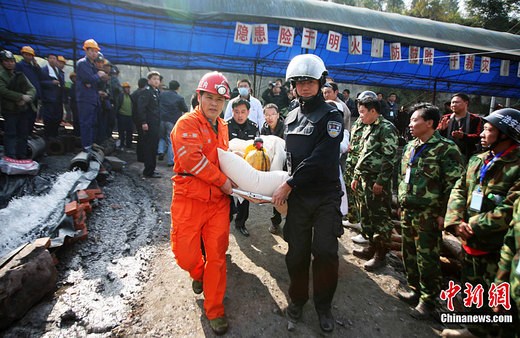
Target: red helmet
<point x="215" y="83"/>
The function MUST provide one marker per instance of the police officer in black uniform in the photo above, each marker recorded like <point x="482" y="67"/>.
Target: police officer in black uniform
<point x="148" y="115"/>
<point x="313" y="134"/>
<point x="239" y="126"/>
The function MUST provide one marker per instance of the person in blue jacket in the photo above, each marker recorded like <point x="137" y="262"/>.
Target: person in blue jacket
<point x="87" y="97"/>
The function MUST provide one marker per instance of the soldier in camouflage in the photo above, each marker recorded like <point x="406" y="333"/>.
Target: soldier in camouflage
<point x="373" y="176"/>
<point x="480" y="207"/>
<point x="352" y="157"/>
<point x="509" y="264"/>
<point x="430" y="166"/>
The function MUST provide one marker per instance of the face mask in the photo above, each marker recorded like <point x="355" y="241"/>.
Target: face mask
<point x="243" y="91"/>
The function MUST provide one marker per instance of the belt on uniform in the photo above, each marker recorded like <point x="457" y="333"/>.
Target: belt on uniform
<point x="184" y="174"/>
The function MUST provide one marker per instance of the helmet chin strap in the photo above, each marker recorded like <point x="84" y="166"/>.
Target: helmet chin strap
<point x="501" y="138"/>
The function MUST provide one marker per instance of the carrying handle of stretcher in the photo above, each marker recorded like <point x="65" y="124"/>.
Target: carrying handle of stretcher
<point x="252" y="195"/>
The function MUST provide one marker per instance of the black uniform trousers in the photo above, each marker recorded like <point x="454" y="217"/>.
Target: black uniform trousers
<point x="312" y="226"/>
<point x="15" y="134"/>
<point x="52" y="114"/>
<point x="150" y="141"/>
<point x="242" y="213"/>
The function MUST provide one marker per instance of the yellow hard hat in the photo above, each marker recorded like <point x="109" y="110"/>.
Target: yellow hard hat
<point x="28" y="50"/>
<point x="90" y="43"/>
<point x="125" y="84"/>
<point x="62" y="59"/>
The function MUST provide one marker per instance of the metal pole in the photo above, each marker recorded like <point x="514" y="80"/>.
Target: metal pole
<point x="434" y="91"/>
<point x="492" y="104"/>
<point x="254" y="79"/>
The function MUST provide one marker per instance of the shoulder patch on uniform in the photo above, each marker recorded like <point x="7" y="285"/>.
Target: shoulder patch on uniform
<point x="333" y="128"/>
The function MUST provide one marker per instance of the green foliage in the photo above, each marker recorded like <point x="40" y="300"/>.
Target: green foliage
<point x="500" y="15"/>
<point x="438" y="10"/>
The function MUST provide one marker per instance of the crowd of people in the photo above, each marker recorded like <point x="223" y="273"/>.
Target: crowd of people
<point x="96" y="104"/>
<point x="458" y="172"/>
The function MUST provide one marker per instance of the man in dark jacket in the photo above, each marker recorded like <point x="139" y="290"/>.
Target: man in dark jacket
<point x="16" y="92"/>
<point x="240" y="126"/>
<point x="273" y="126"/>
<point x="172" y="107"/>
<point x="52" y="96"/>
<point x="141" y="84"/>
<point x="462" y="127"/>
<point x="148" y="117"/>
<point x="277" y="94"/>
<point x="32" y="71"/>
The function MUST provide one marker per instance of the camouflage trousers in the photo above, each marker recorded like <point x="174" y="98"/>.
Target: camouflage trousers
<point x="375" y="211"/>
<point x="421" y="243"/>
<point x="515" y="292"/>
<point x="353" y="215"/>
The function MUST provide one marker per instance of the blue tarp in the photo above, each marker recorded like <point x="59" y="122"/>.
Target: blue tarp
<point x="198" y="34"/>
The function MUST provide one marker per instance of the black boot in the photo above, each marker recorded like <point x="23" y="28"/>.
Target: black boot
<point x="366" y="253"/>
<point x="326" y="321"/>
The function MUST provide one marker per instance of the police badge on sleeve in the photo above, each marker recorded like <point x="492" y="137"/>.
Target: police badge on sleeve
<point x="333" y="128"/>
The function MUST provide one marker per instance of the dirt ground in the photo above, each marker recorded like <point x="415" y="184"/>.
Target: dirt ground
<point x="123" y="280"/>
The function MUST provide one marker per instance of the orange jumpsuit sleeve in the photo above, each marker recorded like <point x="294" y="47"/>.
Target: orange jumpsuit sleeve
<point x="190" y="153"/>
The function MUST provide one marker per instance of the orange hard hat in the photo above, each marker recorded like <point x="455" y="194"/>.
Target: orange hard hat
<point x="90" y="43"/>
<point x="215" y="83"/>
<point x="28" y="50"/>
<point x="125" y="84"/>
<point x="62" y="59"/>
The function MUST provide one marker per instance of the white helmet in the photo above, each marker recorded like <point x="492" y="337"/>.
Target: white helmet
<point x="305" y="67"/>
<point x="367" y="94"/>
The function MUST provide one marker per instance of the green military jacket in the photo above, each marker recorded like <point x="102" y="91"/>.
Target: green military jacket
<point x="377" y="157"/>
<point x="500" y="188"/>
<point x="508" y="269"/>
<point x="355" y="144"/>
<point x="433" y="173"/>
<point x="12" y="87"/>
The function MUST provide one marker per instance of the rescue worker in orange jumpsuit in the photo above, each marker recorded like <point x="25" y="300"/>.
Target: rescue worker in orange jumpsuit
<point x="200" y="203"/>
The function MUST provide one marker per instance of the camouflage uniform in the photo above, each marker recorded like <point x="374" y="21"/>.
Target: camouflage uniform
<point x="500" y="188"/>
<point x="508" y="266"/>
<point x="434" y="172"/>
<point x="375" y="165"/>
<point x="352" y="157"/>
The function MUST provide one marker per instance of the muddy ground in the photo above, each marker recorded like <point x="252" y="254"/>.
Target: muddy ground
<point x="123" y="280"/>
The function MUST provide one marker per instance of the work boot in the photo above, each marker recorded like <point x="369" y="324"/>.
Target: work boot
<point x="294" y="312"/>
<point x="326" y="321"/>
<point x="196" y="285"/>
<point x="348" y="224"/>
<point x="410" y="297"/>
<point x="379" y="259"/>
<point x="360" y="239"/>
<point x="219" y="325"/>
<point x="423" y="311"/>
<point x="366" y="253"/>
